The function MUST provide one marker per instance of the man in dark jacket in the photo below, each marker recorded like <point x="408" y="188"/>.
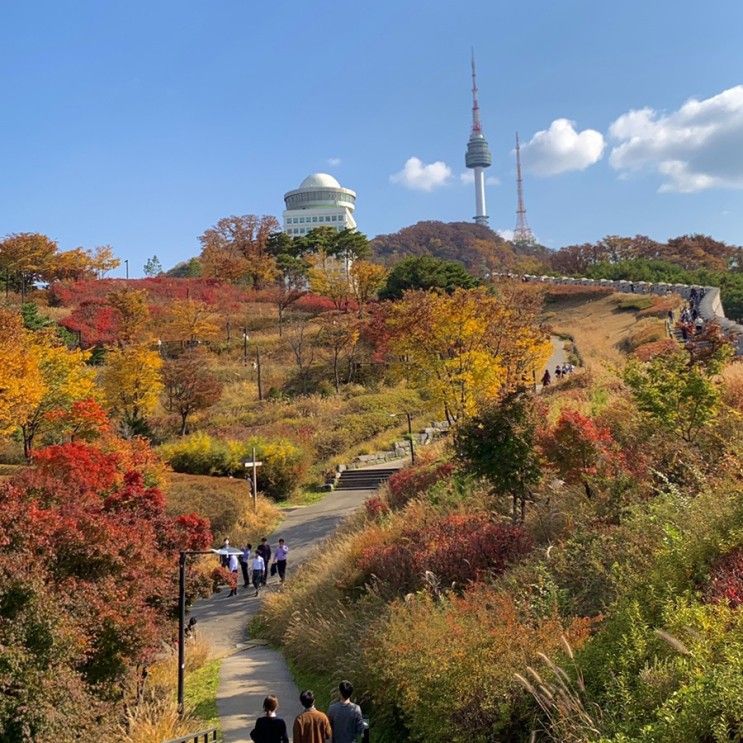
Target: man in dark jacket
<point x="264" y="550"/>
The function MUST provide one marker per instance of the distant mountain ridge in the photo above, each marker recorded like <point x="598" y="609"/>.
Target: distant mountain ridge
<point x="477" y="247"/>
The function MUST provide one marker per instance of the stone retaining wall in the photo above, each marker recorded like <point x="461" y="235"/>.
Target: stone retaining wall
<point x="710" y="307"/>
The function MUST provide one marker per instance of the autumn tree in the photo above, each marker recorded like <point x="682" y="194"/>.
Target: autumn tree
<point x="78" y="264"/>
<point x="367" y="279"/>
<point x="24" y="257"/>
<point x="66" y="379"/>
<point x="290" y="286"/>
<point x="132" y="315"/>
<point x="339" y="333"/>
<point x="676" y="393"/>
<point x="80" y="625"/>
<point x="302" y="340"/>
<point x="189" y="385"/>
<point x="132" y="384"/>
<point x="190" y="320"/>
<point x="21" y="383"/>
<point x="235" y="249"/>
<point x="330" y="277"/>
<point x="580" y="449"/>
<point x="466" y="348"/>
<point x="499" y="444"/>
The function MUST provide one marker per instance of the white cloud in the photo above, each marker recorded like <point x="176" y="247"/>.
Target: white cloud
<point x="697" y="147"/>
<point x="561" y="148"/>
<point x="468" y="177"/>
<point x="334" y="161"/>
<point x="506" y="234"/>
<point x="418" y="176"/>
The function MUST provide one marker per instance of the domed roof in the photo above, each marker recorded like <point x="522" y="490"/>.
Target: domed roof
<point x="319" y="180"/>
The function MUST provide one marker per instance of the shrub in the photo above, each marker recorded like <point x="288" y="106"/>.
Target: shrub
<point x="647" y="330"/>
<point x="725" y="584"/>
<point x="457" y="548"/>
<point x="445" y="670"/>
<point x="198" y="454"/>
<point x="411" y="482"/>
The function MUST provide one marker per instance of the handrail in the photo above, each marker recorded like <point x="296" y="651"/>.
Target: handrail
<point x="203" y="736"/>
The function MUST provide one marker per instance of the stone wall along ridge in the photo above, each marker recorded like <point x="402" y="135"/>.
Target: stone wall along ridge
<point x="710" y="306"/>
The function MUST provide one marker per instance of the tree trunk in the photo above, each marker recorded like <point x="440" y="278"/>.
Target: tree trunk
<point x="184" y="421"/>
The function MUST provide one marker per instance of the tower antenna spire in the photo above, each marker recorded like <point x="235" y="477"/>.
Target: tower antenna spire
<point x="478" y="155"/>
<point x="522" y="234"/>
<point x="476" y="126"/>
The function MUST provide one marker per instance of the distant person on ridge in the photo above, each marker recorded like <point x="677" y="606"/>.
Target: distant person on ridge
<point x="281" y="552"/>
<point x="345" y="716"/>
<point x="265" y="551"/>
<point x="311" y="726"/>
<point x="269" y="728"/>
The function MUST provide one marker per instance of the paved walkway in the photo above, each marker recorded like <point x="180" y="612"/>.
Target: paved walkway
<point x="251" y="670"/>
<point x="559" y="356"/>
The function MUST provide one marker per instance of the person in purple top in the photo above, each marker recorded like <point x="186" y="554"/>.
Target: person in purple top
<point x="281" y="552"/>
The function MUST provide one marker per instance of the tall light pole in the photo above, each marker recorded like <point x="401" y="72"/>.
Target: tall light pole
<point x="245" y="346"/>
<point x="126" y="265"/>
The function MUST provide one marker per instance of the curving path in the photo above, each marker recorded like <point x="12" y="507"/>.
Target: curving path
<point x="251" y="670"/>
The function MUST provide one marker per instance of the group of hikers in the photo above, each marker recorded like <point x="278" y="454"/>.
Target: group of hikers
<point x="561" y="370"/>
<point x="690" y="321"/>
<point x="343" y="722"/>
<point x="254" y="564"/>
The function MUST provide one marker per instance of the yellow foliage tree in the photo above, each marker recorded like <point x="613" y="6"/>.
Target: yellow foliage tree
<point x="367" y="279"/>
<point x="465" y="348"/>
<point x="133" y="313"/>
<point x="66" y="379"/>
<point x="21" y="382"/>
<point x="329" y="277"/>
<point x="190" y="320"/>
<point x="132" y="383"/>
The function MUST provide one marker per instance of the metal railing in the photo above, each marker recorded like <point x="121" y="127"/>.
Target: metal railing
<point x="204" y="736"/>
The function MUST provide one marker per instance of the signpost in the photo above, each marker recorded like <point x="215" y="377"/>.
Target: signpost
<point x="254" y="481"/>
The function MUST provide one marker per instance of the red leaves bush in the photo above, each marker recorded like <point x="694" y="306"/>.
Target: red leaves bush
<point x="410" y="482"/>
<point x="458" y="548"/>
<point x="375" y="507"/>
<point x="725" y="585"/>
<point x="88" y="586"/>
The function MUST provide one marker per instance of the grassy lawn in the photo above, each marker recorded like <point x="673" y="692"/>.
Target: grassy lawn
<point x="201" y="693"/>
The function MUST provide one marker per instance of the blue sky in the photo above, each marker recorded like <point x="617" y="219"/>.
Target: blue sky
<point x="139" y="124"/>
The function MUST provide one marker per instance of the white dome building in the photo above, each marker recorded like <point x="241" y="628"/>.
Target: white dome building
<point x="320" y="201"/>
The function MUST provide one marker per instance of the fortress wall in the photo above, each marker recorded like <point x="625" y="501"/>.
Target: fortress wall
<point x="710" y="307"/>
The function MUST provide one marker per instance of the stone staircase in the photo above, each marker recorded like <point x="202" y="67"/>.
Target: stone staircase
<point x="362" y="479"/>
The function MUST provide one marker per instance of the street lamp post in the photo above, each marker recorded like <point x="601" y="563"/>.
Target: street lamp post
<point x="126" y="264"/>
<point x="182" y="619"/>
<point x="245" y="346"/>
<point x="255" y="464"/>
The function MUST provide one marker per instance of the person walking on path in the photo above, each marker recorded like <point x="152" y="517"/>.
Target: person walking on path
<point x="224" y="558"/>
<point x="233" y="570"/>
<point x="345" y="717"/>
<point x="281" y="552"/>
<point x="265" y="551"/>
<point x="259" y="568"/>
<point x="245" y="564"/>
<point x="546" y="379"/>
<point x="311" y="726"/>
<point x="269" y="728"/>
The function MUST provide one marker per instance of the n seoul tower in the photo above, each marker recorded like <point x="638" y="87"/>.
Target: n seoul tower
<point x="478" y="155"/>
